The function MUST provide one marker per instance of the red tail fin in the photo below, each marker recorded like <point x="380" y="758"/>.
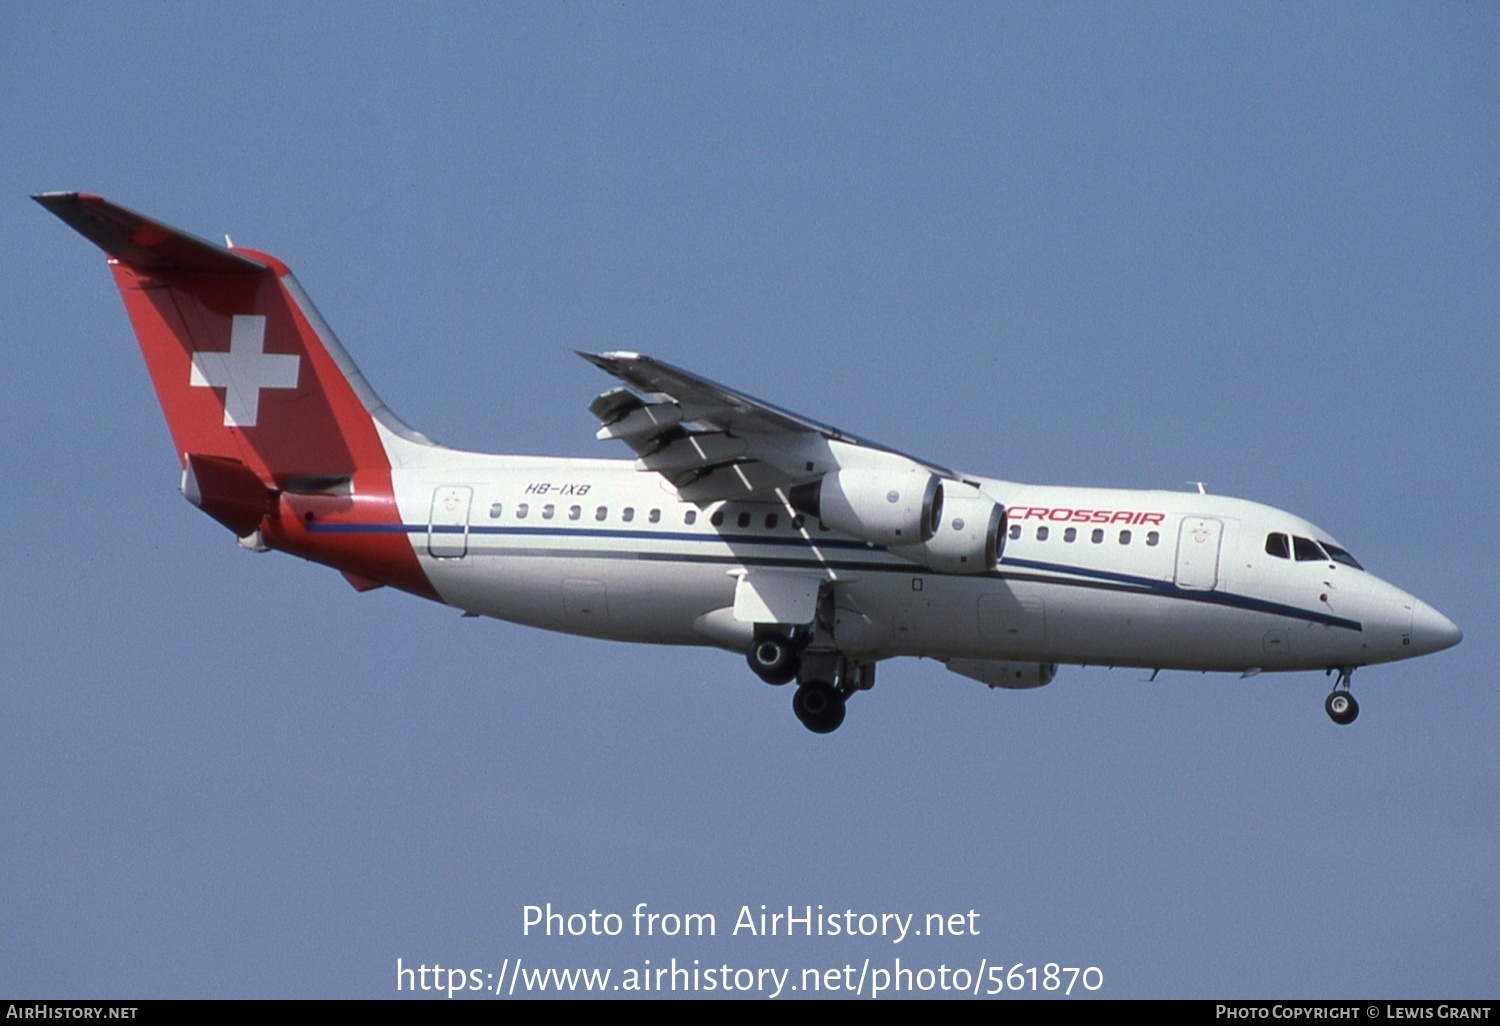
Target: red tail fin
<point x="233" y="348"/>
<point x="255" y="388"/>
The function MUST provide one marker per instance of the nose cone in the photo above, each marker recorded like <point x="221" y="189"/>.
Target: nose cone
<point x="1431" y="631"/>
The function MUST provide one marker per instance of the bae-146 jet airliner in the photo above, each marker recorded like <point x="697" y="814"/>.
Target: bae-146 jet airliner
<point x="812" y="553"/>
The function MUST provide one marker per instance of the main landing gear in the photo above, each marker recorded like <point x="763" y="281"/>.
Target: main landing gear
<point x="825" y="677"/>
<point x="775" y="657"/>
<point x="820" y="705"/>
<point x="1341" y="706"/>
<point x="809" y="654"/>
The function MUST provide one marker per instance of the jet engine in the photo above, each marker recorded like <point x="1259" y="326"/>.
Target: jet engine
<point x="887" y="507"/>
<point x="970" y="534"/>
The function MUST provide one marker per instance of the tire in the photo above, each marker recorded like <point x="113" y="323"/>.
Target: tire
<point x="1342" y="708"/>
<point x="773" y="659"/>
<point x="819" y="707"/>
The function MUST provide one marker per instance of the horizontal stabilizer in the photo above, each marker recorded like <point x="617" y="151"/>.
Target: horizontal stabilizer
<point x="361" y="583"/>
<point x="228" y="491"/>
<point x="141" y="243"/>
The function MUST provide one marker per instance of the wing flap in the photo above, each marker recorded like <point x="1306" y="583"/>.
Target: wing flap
<point x="711" y="442"/>
<point x="735" y="410"/>
<point x="647" y="422"/>
<point x="736" y="481"/>
<point x="691" y="453"/>
<point x="612" y="405"/>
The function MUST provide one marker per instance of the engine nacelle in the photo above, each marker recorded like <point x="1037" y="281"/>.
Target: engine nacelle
<point x="887" y="507"/>
<point x="1000" y="674"/>
<point x="970" y="534"/>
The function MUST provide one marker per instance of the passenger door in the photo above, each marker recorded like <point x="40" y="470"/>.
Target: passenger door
<point x="1198" y="553"/>
<point x="448" y="525"/>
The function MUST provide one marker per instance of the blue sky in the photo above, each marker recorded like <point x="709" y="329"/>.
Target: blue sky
<point x="1134" y="245"/>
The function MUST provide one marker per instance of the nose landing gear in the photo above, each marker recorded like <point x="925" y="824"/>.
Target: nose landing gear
<point x="1341" y="706"/>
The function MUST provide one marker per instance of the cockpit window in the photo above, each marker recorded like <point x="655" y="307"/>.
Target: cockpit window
<point x="1278" y="546"/>
<point x="1308" y="551"/>
<point x="1339" y="555"/>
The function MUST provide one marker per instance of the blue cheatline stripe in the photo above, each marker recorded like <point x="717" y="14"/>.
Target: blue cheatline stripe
<point x="592" y="532"/>
<point x="1076" y="577"/>
<point x="1103" y="575"/>
<point x="1211" y="597"/>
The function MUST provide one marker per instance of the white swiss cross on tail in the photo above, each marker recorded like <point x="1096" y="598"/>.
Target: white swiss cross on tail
<point x="245" y="370"/>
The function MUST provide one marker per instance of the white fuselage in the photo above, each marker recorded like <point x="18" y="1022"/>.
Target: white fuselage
<point x="1155" y="579"/>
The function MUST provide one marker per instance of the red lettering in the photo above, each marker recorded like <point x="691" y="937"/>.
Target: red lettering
<point x="1067" y="514"/>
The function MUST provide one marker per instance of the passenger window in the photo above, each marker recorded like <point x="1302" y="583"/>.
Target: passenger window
<point x="1015" y="531"/>
<point x="1124" y="537"/>
<point x="771" y="521"/>
<point x="690" y="517"/>
<point x="495" y="511"/>
<point x="743" y="519"/>
<point x="522" y="510"/>
<point x="1307" y="550"/>
<point x="1152" y="537"/>
<point x="1041" y="534"/>
<point x="627" y="514"/>
<point x="1097" y="536"/>
<point x="574" y="512"/>
<point x="717" y="519"/>
<point x="655" y="516"/>
<point x="1071" y="534"/>
<point x="601" y="512"/>
<point x="1276" y="545"/>
<point x="548" y="510"/>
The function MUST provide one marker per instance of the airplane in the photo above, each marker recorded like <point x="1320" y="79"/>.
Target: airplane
<point x="811" y="552"/>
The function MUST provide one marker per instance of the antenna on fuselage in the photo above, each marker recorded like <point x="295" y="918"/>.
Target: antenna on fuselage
<point x="1199" y="485"/>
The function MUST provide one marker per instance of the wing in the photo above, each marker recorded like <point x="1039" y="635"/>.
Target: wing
<point x="714" y="443"/>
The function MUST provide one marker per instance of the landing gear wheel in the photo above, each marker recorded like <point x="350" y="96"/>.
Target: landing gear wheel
<point x="1342" y="708"/>
<point x="819" y="707"/>
<point x="774" y="659"/>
